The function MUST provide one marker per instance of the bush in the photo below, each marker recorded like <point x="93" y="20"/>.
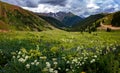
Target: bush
<point x="108" y="30"/>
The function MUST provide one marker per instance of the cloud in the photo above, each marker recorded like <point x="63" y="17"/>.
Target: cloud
<point x="54" y="2"/>
<point x="35" y="3"/>
<point x="91" y="5"/>
<point x="79" y="7"/>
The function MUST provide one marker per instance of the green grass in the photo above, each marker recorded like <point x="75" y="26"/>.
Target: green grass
<point x="62" y="38"/>
<point x="76" y="48"/>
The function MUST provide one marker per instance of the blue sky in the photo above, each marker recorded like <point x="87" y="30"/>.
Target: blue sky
<point x="79" y="7"/>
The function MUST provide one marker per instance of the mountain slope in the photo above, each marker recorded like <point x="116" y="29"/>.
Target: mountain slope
<point x="66" y="18"/>
<point x="15" y="18"/>
<point x="56" y="23"/>
<point x="116" y="19"/>
<point x="111" y="19"/>
<point x="88" y="22"/>
<point x="72" y="19"/>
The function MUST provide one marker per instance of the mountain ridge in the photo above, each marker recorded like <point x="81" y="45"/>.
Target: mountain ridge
<point x="67" y="18"/>
<point x="15" y="18"/>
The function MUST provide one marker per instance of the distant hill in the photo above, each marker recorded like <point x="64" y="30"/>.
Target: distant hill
<point x="111" y="19"/>
<point x="15" y="18"/>
<point x="103" y="20"/>
<point x="66" y="18"/>
<point x="116" y="19"/>
<point x="88" y="22"/>
<point x="72" y="19"/>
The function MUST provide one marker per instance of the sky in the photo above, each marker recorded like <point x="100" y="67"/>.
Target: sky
<point x="78" y="7"/>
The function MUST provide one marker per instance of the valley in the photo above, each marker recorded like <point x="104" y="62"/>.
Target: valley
<point x="60" y="42"/>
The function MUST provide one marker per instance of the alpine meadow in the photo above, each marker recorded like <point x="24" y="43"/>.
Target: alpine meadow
<point x="64" y="41"/>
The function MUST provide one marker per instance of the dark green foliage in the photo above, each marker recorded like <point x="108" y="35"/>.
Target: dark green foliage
<point x="71" y="20"/>
<point x="3" y="59"/>
<point x="108" y="30"/>
<point x="116" y="19"/>
<point x="108" y="63"/>
<point x="53" y="21"/>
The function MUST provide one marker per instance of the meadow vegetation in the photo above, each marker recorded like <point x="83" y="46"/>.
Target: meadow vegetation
<point x="57" y="51"/>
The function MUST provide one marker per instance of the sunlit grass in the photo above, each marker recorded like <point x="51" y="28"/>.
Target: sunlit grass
<point x="58" y="51"/>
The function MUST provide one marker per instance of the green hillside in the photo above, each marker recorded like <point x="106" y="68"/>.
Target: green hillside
<point x="111" y="19"/>
<point x="16" y="18"/>
<point x="88" y="22"/>
<point x="116" y="19"/>
<point x="71" y="20"/>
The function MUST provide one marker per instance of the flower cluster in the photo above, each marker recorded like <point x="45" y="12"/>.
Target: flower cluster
<point x="69" y="60"/>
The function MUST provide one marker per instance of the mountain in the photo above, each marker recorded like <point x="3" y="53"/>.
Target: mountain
<point x="103" y="20"/>
<point x="56" y="23"/>
<point x="59" y="15"/>
<point x="66" y="18"/>
<point x="88" y="22"/>
<point x="15" y="18"/>
<point x="72" y="19"/>
<point x="111" y="19"/>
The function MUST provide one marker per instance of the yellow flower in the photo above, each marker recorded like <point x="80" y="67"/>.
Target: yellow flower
<point x="83" y="72"/>
<point x="23" y="50"/>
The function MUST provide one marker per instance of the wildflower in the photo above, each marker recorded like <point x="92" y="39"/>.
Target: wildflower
<point x="27" y="66"/>
<point x="86" y="58"/>
<point x="67" y="70"/>
<point x="79" y="58"/>
<point x="75" y="60"/>
<point x="51" y="70"/>
<point x="55" y="71"/>
<point x="83" y="72"/>
<point x="63" y="57"/>
<point x="44" y="58"/>
<point x="21" y="60"/>
<point x="23" y="55"/>
<point x="13" y="57"/>
<point x="80" y="64"/>
<point x="32" y="63"/>
<point x="73" y="70"/>
<point x="68" y="62"/>
<point x="55" y="63"/>
<point x="48" y="64"/>
<point x="59" y="68"/>
<point x="54" y="59"/>
<point x="114" y="49"/>
<point x="45" y="69"/>
<point x="19" y="52"/>
<point x="26" y="57"/>
<point x="95" y="56"/>
<point x="18" y="56"/>
<point x="37" y="63"/>
<point x="71" y="67"/>
<point x="83" y="63"/>
<point x="93" y="60"/>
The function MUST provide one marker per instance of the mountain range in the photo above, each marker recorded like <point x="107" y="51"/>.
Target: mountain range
<point x="67" y="18"/>
<point x="15" y="18"/>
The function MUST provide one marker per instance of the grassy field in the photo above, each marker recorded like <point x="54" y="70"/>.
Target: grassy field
<point x="59" y="51"/>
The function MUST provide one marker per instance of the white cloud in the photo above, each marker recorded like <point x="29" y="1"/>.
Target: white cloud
<point x="45" y="8"/>
<point x="92" y="5"/>
<point x="79" y="7"/>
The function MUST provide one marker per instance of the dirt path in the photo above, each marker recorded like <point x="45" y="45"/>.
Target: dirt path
<point x="102" y="26"/>
<point x="4" y="31"/>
